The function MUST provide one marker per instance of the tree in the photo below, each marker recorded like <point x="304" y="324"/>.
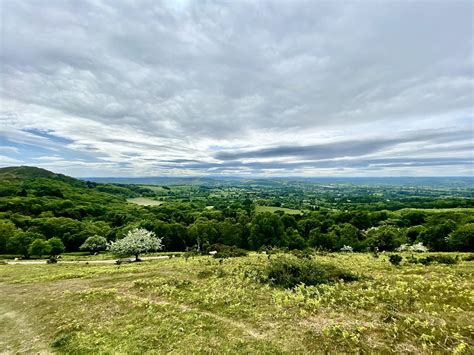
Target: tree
<point x="136" y="242"/>
<point x="7" y="230"/>
<point x="321" y="240"/>
<point x="295" y="240"/>
<point x="267" y="230"/>
<point x="57" y="246"/>
<point x="436" y="237"/>
<point x="94" y="244"/>
<point x="20" y="243"/>
<point x="39" y="247"/>
<point x="203" y="232"/>
<point x="385" y="238"/>
<point x="462" y="239"/>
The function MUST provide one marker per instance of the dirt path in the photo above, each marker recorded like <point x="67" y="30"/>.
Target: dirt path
<point x="110" y="261"/>
<point x="15" y="329"/>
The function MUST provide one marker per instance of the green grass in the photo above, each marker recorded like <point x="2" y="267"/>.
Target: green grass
<point x="205" y="306"/>
<point x="143" y="201"/>
<point x="260" y="209"/>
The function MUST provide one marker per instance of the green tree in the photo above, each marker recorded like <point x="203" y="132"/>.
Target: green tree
<point x="7" y="230"/>
<point x="20" y="243"/>
<point x="39" y="247"/>
<point x="57" y="246"/>
<point x="321" y="240"/>
<point x="436" y="237"/>
<point x="94" y="244"/>
<point x="462" y="239"/>
<point x="385" y="238"/>
<point x="267" y="230"/>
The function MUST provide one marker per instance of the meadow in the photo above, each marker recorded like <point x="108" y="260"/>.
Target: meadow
<point x="215" y="306"/>
<point x="261" y="209"/>
<point x="143" y="201"/>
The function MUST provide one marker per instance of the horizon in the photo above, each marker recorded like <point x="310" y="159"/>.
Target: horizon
<point x="272" y="89"/>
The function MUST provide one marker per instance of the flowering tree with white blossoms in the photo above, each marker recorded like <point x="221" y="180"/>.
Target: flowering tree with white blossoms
<point x="136" y="242"/>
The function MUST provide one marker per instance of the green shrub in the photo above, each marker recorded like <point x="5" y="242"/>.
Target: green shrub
<point x="470" y="257"/>
<point x="287" y="272"/>
<point x="225" y="251"/>
<point x="441" y="259"/>
<point x="395" y="259"/>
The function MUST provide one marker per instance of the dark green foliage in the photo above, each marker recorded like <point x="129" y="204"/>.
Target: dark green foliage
<point x="39" y="247"/>
<point x="440" y="259"/>
<point x="462" y="239"/>
<point x="287" y="272"/>
<point x="385" y="238"/>
<point x="267" y="230"/>
<point x="57" y="246"/>
<point x="395" y="259"/>
<point x="470" y="257"/>
<point x="20" y="243"/>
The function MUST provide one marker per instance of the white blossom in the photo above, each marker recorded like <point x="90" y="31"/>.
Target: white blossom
<point x="136" y="242"/>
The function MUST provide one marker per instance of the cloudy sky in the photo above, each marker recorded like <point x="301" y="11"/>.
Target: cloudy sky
<point x="271" y="88"/>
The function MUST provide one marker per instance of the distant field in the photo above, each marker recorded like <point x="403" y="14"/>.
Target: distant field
<point x="260" y="209"/>
<point x="436" y="210"/>
<point x="143" y="201"/>
<point x="201" y="305"/>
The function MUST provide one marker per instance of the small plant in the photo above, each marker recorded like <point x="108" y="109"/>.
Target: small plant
<point x="395" y="259"/>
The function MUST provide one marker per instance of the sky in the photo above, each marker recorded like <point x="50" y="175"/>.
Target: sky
<point x="252" y="88"/>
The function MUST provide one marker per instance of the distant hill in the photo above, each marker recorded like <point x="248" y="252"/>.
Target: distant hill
<point x="16" y="173"/>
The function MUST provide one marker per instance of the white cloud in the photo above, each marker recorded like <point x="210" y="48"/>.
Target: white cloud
<point x="144" y="87"/>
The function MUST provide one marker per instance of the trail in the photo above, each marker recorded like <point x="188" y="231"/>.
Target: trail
<point x="110" y="261"/>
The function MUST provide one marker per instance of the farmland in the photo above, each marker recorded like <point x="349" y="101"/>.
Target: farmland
<point x="210" y="306"/>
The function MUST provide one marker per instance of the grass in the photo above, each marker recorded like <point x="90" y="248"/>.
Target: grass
<point x="143" y="201"/>
<point x="210" y="306"/>
<point x="260" y="209"/>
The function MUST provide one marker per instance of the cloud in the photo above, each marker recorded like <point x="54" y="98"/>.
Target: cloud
<point x="149" y="88"/>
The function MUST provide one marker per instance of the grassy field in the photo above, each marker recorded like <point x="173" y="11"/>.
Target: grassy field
<point x="274" y="209"/>
<point x="203" y="305"/>
<point x="143" y="201"/>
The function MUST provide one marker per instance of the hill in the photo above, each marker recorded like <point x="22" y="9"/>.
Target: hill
<point x="18" y="173"/>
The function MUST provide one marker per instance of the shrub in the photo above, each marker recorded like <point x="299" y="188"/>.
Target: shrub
<point x="470" y="257"/>
<point x="395" y="259"/>
<point x="287" y="272"/>
<point x="441" y="259"/>
<point x="225" y="251"/>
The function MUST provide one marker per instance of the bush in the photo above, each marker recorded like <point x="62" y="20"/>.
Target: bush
<point x="288" y="272"/>
<point x="470" y="257"/>
<point x="441" y="259"/>
<point x="225" y="251"/>
<point x="395" y="259"/>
